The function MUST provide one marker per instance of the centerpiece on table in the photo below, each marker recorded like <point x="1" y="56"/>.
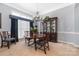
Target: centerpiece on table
<point x="34" y="31"/>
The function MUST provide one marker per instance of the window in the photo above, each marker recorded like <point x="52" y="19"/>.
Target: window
<point x="23" y="26"/>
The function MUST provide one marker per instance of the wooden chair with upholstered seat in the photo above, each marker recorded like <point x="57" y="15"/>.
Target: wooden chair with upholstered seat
<point x="43" y="43"/>
<point x="6" y="39"/>
<point x="28" y="38"/>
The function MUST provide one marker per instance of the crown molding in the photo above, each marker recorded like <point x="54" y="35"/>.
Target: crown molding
<point x="46" y="12"/>
<point x="17" y="8"/>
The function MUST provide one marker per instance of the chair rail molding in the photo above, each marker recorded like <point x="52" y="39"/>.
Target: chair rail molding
<point x="75" y="33"/>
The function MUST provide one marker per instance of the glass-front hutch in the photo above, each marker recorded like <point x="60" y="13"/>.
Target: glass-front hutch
<point x="50" y="27"/>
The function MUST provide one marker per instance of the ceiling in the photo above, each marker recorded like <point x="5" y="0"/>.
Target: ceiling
<point x="32" y="8"/>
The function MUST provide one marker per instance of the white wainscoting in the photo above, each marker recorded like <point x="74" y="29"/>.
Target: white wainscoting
<point x="69" y="38"/>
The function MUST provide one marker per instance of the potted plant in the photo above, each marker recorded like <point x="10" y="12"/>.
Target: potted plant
<point x="34" y="30"/>
<point x="46" y="18"/>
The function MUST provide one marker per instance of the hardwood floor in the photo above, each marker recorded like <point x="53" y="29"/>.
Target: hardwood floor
<point x="56" y="49"/>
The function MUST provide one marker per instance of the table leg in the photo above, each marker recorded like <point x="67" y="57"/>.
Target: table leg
<point x="35" y="44"/>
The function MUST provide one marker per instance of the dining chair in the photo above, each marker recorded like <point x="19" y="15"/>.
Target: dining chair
<point x="28" y="38"/>
<point x="43" y="43"/>
<point x="6" y="39"/>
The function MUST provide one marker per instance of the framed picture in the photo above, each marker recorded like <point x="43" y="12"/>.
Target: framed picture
<point x="0" y="20"/>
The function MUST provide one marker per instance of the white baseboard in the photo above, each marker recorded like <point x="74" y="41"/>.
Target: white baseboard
<point x="75" y="45"/>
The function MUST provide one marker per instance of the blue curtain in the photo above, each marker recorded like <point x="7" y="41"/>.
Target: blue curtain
<point x="14" y="28"/>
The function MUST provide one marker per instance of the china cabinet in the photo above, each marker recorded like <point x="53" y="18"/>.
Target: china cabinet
<point x="50" y="28"/>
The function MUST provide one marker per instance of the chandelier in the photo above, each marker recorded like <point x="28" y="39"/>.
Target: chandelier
<point x="36" y="18"/>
